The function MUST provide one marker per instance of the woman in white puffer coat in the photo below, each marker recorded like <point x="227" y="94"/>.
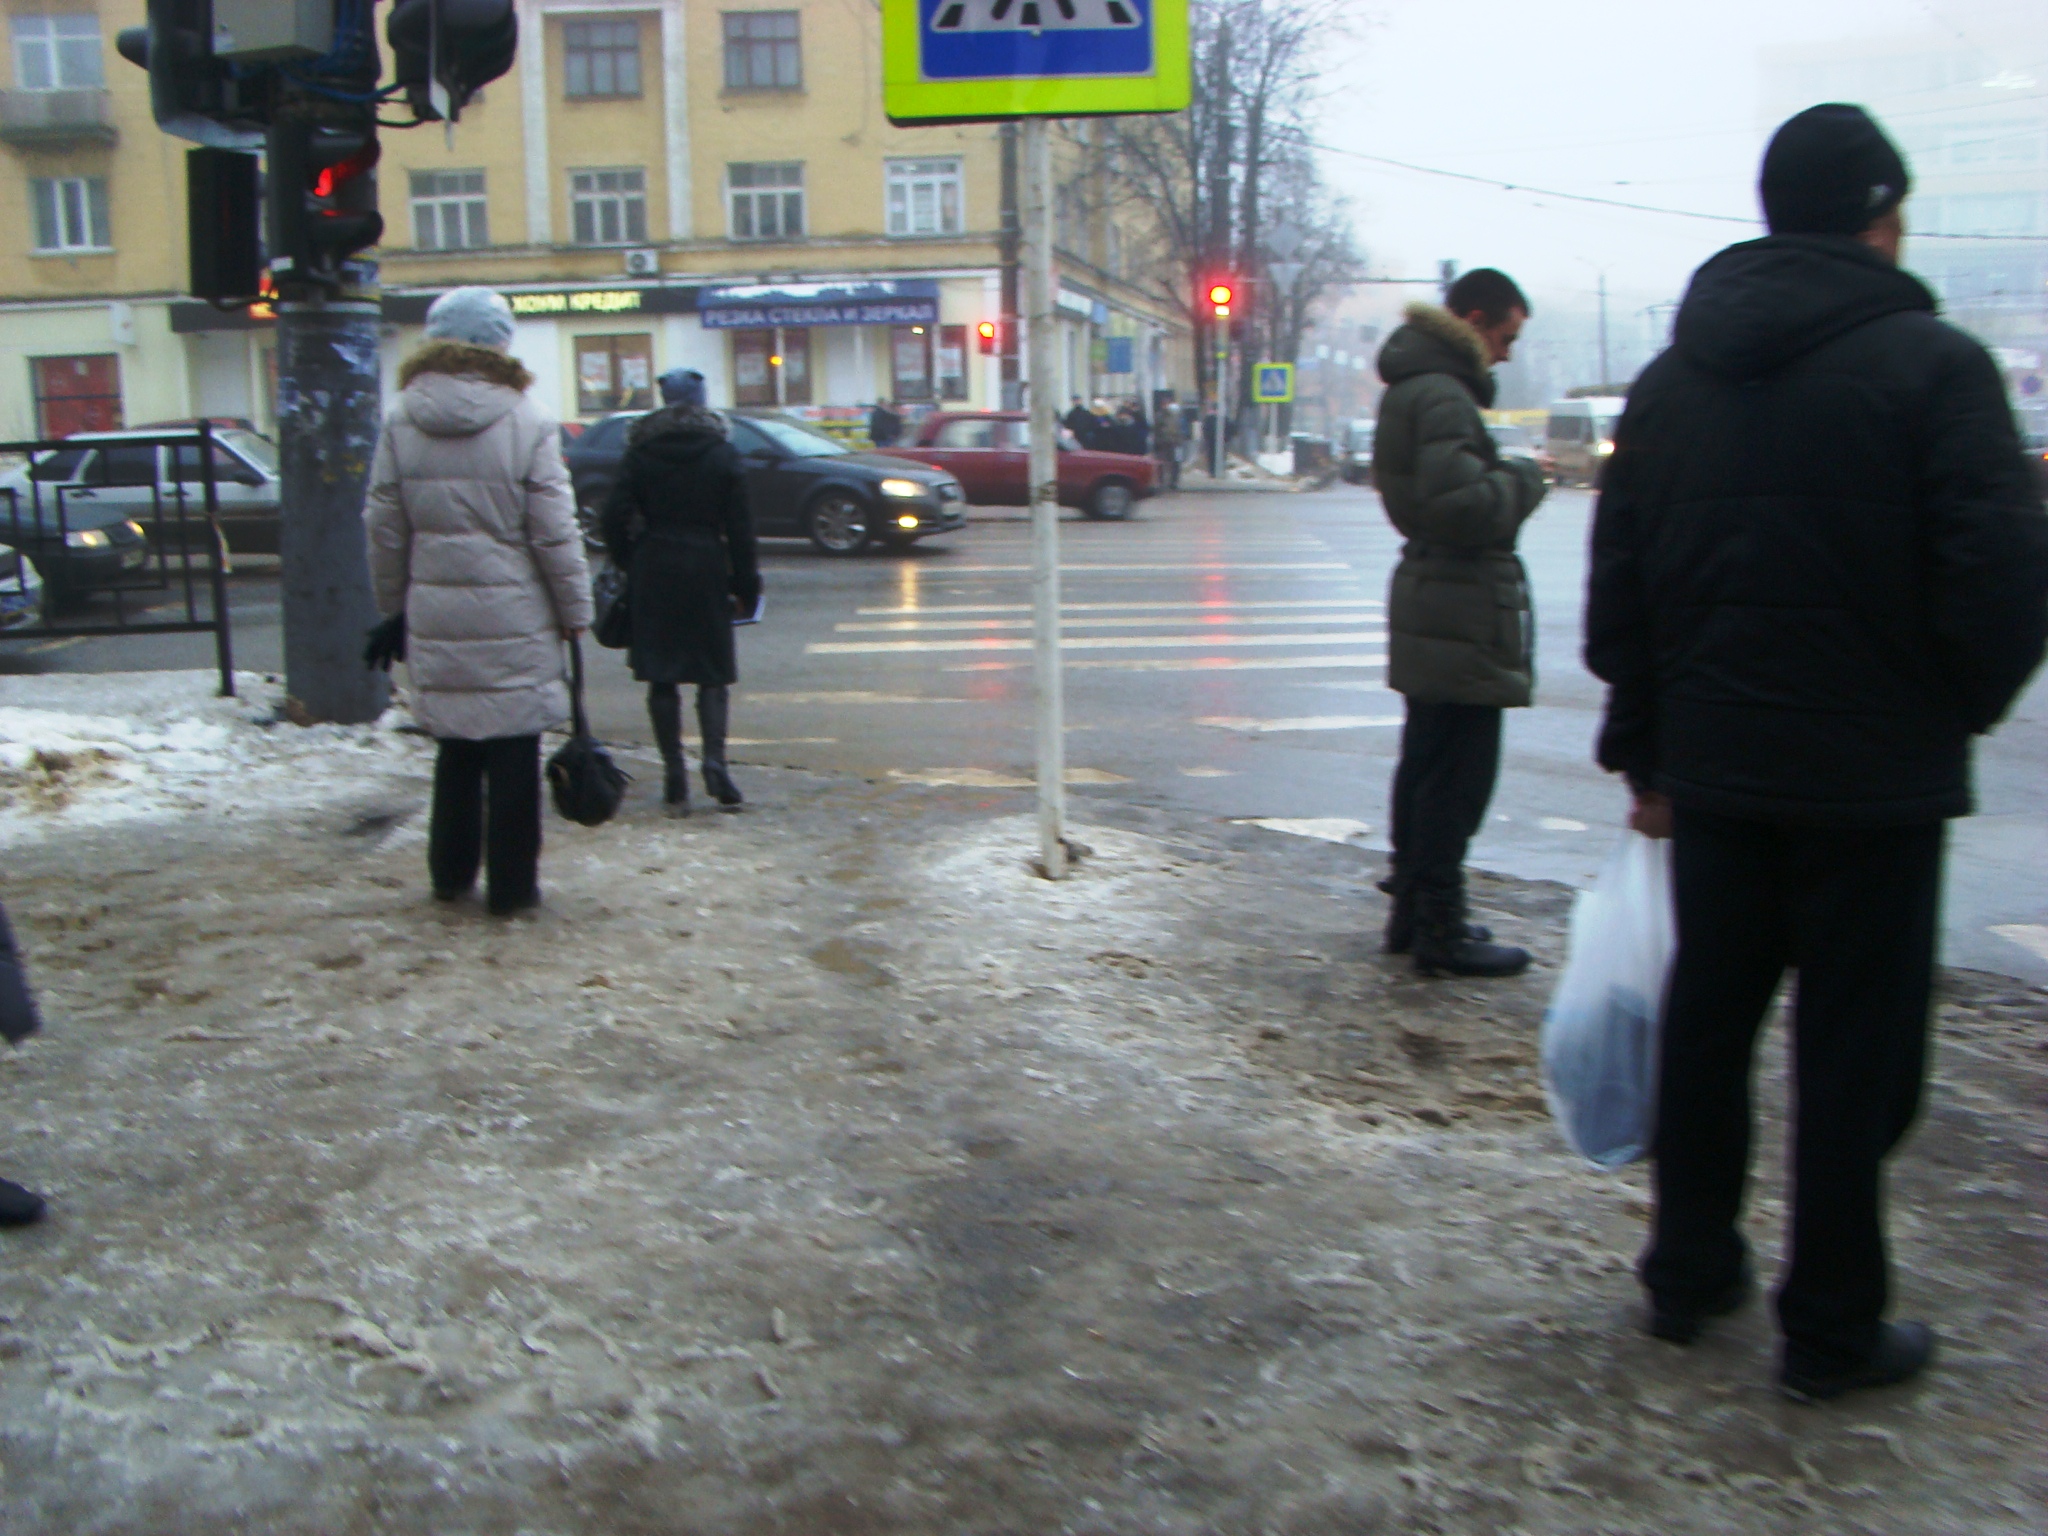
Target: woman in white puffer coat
<point x="473" y="537"/>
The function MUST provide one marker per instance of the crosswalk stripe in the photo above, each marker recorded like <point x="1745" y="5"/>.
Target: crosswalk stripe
<point x="1299" y="723"/>
<point x="930" y="626"/>
<point x="1367" y="661"/>
<point x="1085" y="643"/>
<point x="1194" y="606"/>
<point x="1222" y="569"/>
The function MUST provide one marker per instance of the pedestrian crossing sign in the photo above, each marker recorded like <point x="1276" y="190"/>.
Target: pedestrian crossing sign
<point x="1272" y="383"/>
<point x="957" y="61"/>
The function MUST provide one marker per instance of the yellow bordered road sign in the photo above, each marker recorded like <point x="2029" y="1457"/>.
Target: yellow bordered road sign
<point x="953" y="61"/>
<point x="1272" y="383"/>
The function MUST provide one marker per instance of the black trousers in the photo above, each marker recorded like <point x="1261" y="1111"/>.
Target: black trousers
<point x="457" y="839"/>
<point x="1855" y="912"/>
<point x="1450" y="760"/>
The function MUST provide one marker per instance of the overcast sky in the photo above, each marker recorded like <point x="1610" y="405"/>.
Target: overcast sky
<point x="1643" y="100"/>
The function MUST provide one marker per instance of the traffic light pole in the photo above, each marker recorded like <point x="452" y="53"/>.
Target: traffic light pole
<point x="329" y="410"/>
<point x="1045" y="504"/>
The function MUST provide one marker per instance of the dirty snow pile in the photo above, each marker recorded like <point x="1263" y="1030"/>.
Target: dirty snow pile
<point x="80" y="750"/>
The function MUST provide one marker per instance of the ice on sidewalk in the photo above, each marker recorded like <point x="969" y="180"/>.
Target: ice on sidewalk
<point x="91" y="749"/>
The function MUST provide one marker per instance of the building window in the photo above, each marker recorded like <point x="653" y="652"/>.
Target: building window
<point x="601" y="58"/>
<point x="952" y="368"/>
<point x="763" y="51"/>
<point x="76" y="394"/>
<point x="55" y="53"/>
<point x="614" y="373"/>
<point x="71" y="213"/>
<point x="924" y="197"/>
<point x="910" y="361"/>
<point x="766" y="201"/>
<point x="609" y="207"/>
<point x="448" y="210"/>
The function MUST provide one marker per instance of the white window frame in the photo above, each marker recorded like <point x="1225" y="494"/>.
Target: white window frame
<point x="764" y="200"/>
<point x="442" y="200"/>
<point x="588" y="39"/>
<point x="610" y="202"/>
<point x="924" y="197"/>
<point x="51" y="53"/>
<point x="74" y="210"/>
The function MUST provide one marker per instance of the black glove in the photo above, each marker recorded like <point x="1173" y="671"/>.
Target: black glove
<point x="386" y="643"/>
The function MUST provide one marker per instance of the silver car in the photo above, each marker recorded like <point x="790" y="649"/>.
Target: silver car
<point x="140" y="474"/>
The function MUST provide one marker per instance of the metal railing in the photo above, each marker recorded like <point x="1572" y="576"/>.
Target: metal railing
<point x="169" y="547"/>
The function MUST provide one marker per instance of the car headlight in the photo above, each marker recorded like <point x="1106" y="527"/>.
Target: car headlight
<point x="901" y="488"/>
<point x="136" y="529"/>
<point x="907" y="520"/>
<point x="87" y="538"/>
<point x="1602" y="449"/>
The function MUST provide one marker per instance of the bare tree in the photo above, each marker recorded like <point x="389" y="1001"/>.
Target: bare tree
<point x="1211" y="177"/>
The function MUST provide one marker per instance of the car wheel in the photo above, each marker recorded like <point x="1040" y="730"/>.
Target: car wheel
<point x="837" y="523"/>
<point x="589" y="519"/>
<point x="1111" y="501"/>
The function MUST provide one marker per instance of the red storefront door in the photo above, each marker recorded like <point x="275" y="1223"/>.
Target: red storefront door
<point x="77" y="394"/>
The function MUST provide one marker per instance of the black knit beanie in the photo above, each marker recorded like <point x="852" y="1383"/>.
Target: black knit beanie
<point x="1830" y="171"/>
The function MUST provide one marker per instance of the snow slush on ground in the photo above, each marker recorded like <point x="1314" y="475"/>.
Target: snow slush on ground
<point x="81" y="749"/>
<point x="819" y="1170"/>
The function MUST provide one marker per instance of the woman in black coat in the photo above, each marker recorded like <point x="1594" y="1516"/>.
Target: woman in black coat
<point x="677" y="524"/>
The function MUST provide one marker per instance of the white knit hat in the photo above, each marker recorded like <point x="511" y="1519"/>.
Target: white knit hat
<point x="478" y="316"/>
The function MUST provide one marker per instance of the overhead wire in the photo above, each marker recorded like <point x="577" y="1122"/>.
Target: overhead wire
<point x="1499" y="184"/>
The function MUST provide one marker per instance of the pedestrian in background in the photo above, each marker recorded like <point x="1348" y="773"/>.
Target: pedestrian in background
<point x="677" y="524"/>
<point x="885" y="427"/>
<point x="1819" y="568"/>
<point x="1166" y="441"/>
<point x="473" y="538"/>
<point x="18" y="1020"/>
<point x="1461" y="633"/>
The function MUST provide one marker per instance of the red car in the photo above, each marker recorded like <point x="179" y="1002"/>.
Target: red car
<point x="988" y="452"/>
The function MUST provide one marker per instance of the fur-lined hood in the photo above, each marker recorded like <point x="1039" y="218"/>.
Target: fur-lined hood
<point x="679" y="421"/>
<point x="453" y="389"/>
<point x="1436" y="341"/>
<point x="465" y="361"/>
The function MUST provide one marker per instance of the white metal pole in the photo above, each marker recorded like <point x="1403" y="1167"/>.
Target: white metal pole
<point x="1045" y="503"/>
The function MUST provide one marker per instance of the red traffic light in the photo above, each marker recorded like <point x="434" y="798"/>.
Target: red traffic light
<point x="986" y="334"/>
<point x="1219" y="294"/>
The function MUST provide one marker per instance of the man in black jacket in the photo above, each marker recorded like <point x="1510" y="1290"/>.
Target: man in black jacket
<point x="1819" y="568"/>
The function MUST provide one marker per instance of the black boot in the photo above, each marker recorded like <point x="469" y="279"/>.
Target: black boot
<point x="665" y="710"/>
<point x="1444" y="945"/>
<point x="19" y="1207"/>
<point x="713" y="705"/>
<point x="1400" y="936"/>
<point x="1902" y="1352"/>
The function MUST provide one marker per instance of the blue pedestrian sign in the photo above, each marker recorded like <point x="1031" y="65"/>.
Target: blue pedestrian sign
<point x="986" y="60"/>
<point x="1272" y="383"/>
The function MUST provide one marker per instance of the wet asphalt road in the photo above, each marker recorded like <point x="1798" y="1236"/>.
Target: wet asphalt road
<point x="1225" y="655"/>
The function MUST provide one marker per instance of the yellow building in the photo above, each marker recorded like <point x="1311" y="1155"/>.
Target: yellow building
<point x="656" y="183"/>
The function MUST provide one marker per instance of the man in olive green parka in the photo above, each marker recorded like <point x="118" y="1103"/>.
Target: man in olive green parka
<point x="1462" y="635"/>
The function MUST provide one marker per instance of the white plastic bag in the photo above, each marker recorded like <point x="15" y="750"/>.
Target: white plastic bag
<point x="1599" y="1040"/>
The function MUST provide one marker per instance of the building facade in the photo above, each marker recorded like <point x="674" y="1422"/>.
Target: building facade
<point x="656" y="183"/>
<point x="1968" y="107"/>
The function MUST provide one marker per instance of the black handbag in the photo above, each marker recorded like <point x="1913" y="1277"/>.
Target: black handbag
<point x="587" y="784"/>
<point x="613" y="626"/>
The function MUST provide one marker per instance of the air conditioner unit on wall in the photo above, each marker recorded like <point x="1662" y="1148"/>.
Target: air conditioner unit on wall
<point x="643" y="264"/>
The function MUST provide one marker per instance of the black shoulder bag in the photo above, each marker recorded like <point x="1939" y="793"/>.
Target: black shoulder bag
<point x="587" y="784"/>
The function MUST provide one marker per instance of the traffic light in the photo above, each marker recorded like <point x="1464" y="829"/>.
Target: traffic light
<point x="193" y="93"/>
<point x="1220" y="295"/>
<point x="224" y="224"/>
<point x="985" y="334"/>
<point x="444" y="51"/>
<point x="323" y="199"/>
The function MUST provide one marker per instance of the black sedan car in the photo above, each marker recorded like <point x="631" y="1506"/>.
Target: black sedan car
<point x="800" y="484"/>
